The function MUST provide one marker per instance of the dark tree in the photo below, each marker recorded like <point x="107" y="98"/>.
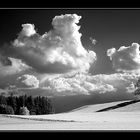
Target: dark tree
<point x="11" y="101"/>
<point x="22" y="100"/>
<point x="137" y="89"/>
<point x="35" y="105"/>
<point x="5" y="109"/>
<point x="30" y="102"/>
<point x="18" y="105"/>
<point x="3" y="100"/>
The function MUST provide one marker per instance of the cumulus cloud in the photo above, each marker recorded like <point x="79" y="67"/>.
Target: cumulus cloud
<point x="58" y="51"/>
<point x="10" y="66"/>
<point x="131" y="88"/>
<point x="98" y="88"/>
<point x="58" y="85"/>
<point x="126" y="59"/>
<point x="120" y="81"/>
<point x="90" y="84"/>
<point x="27" y="81"/>
<point x="28" y="30"/>
<point x="61" y="53"/>
<point x="77" y="84"/>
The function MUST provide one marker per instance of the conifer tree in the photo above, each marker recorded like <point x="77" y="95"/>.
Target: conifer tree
<point x="3" y="100"/>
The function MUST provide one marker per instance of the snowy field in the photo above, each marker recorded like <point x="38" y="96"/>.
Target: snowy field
<point x="123" y="117"/>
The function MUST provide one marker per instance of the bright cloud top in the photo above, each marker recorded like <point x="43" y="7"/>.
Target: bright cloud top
<point x="58" y="51"/>
<point x="28" y="30"/>
<point x="125" y="58"/>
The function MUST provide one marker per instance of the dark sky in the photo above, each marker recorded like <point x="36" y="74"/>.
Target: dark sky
<point x="111" y="28"/>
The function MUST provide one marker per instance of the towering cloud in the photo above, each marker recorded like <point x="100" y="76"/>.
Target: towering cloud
<point x="125" y="59"/>
<point x="58" y="51"/>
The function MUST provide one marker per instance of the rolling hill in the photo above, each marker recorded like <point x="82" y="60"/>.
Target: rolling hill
<point x="120" y="115"/>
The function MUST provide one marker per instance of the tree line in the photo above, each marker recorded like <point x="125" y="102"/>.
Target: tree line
<point x="25" y="105"/>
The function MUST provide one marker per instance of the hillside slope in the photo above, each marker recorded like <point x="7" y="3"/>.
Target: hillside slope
<point x="119" y="106"/>
<point x="122" y="115"/>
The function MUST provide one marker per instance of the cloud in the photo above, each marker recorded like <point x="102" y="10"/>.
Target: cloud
<point x="10" y="66"/>
<point x="89" y="84"/>
<point x="60" y="63"/>
<point x="126" y="59"/>
<point x="28" y="30"/>
<point x="58" y="51"/>
<point x="27" y="81"/>
<point x="93" y="41"/>
<point x="77" y="84"/>
<point x="62" y="86"/>
<point x="4" y="61"/>
<point x="98" y="88"/>
<point x="131" y="88"/>
<point x="120" y="81"/>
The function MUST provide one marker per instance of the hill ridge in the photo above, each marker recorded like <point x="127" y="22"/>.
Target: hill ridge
<point x="119" y="105"/>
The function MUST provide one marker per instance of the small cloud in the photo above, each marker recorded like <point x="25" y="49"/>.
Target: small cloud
<point x="93" y="41"/>
<point x="126" y="59"/>
<point x="28" y="30"/>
